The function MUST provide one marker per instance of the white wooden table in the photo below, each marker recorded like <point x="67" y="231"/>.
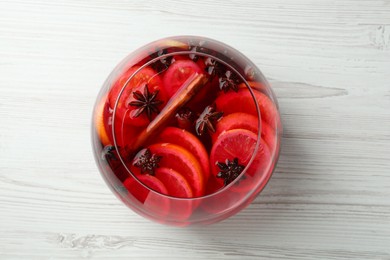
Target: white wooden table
<point x="329" y="63"/>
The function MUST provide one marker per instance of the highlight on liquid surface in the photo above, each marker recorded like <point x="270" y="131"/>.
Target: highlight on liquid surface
<point x="185" y="120"/>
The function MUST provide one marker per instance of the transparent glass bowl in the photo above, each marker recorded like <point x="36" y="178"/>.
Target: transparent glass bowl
<point x="163" y="154"/>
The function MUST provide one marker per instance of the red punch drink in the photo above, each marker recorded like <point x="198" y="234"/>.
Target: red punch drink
<point x="186" y="130"/>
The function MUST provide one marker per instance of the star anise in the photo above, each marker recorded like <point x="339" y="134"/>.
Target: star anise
<point x="108" y="153"/>
<point x="185" y="113"/>
<point x="229" y="170"/>
<point x="196" y="47"/>
<point x="147" y="161"/>
<point x="146" y="102"/>
<point x="162" y="63"/>
<point x="185" y="118"/>
<point x="214" y="68"/>
<point x="206" y="120"/>
<point x="228" y="82"/>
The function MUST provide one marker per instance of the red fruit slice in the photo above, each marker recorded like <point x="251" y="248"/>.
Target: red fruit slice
<point x="236" y="121"/>
<point x="255" y="85"/>
<point x="269" y="136"/>
<point x="170" y="43"/>
<point x="240" y="144"/>
<point x="145" y="76"/>
<point x="177" y="74"/>
<point x="182" y="161"/>
<point x="118" y="84"/>
<point x="100" y="117"/>
<point x="242" y="101"/>
<point x="248" y="122"/>
<point x="237" y="143"/>
<point x="103" y="118"/>
<point x="139" y="191"/>
<point x="177" y="186"/>
<point x="151" y="200"/>
<point x="125" y="134"/>
<point x="213" y="185"/>
<point x="189" y="142"/>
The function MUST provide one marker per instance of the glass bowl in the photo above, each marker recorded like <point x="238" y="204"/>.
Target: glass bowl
<point x="186" y="130"/>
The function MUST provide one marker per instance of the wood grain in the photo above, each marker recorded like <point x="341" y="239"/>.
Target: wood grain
<point x="329" y="64"/>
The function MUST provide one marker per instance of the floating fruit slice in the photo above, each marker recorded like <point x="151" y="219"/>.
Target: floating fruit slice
<point x="136" y="114"/>
<point x="171" y="43"/>
<point x="236" y="121"/>
<point x="125" y="134"/>
<point x="177" y="74"/>
<point x="177" y="186"/>
<point x="248" y="122"/>
<point x="242" y="101"/>
<point x="213" y="185"/>
<point x="103" y="119"/>
<point x="154" y="201"/>
<point x="262" y="87"/>
<point x="182" y="161"/>
<point x="189" y="142"/>
<point x="268" y="134"/>
<point x="100" y="121"/>
<point x="239" y="144"/>
<point x="134" y="187"/>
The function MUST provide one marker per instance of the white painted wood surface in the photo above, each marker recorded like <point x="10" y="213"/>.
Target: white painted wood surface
<point x="329" y="63"/>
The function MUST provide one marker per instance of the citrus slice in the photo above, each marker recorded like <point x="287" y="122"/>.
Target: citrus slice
<point x="268" y="134"/>
<point x="239" y="144"/>
<point x="139" y="191"/>
<point x="100" y="121"/>
<point x="144" y="78"/>
<point x="248" y="122"/>
<point x="189" y="142"/>
<point x="182" y="161"/>
<point x="235" y="121"/>
<point x="178" y="73"/>
<point x="242" y="101"/>
<point x="103" y="118"/>
<point x="125" y="134"/>
<point x="177" y="186"/>
<point x="171" y="43"/>
<point x="255" y="85"/>
<point x="156" y="203"/>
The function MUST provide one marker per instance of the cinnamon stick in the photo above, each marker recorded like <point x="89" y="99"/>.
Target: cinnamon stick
<point x="186" y="92"/>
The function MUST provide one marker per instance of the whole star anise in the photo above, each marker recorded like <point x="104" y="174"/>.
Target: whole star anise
<point x="195" y="47"/>
<point x="229" y="170"/>
<point x="229" y="82"/>
<point x="162" y="63"/>
<point x="185" y="118"/>
<point x="146" y="102"/>
<point x="109" y="153"/>
<point x="214" y="68"/>
<point x="147" y="161"/>
<point x="206" y="120"/>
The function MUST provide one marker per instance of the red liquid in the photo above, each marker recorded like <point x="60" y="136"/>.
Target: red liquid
<point x="211" y="155"/>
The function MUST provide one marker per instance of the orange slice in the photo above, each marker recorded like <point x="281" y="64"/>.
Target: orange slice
<point x="235" y="121"/>
<point x="182" y="161"/>
<point x="242" y="101"/>
<point x="177" y="186"/>
<point x="100" y="115"/>
<point x="189" y="142"/>
<point x="240" y="144"/>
